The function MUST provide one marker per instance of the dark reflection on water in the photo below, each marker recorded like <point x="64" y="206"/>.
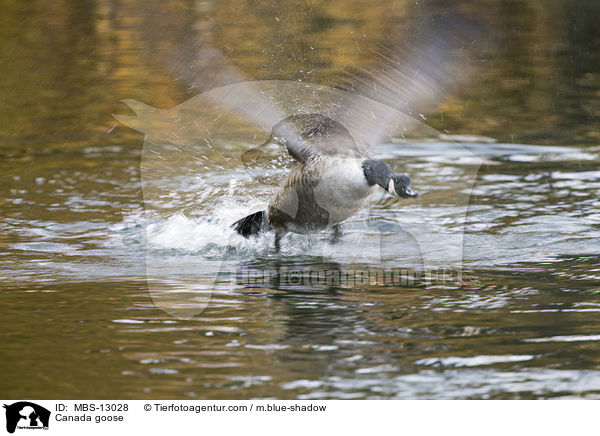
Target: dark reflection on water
<point x="78" y="321"/>
<point x="492" y="338"/>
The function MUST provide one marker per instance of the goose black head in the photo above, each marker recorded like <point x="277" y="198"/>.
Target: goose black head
<point x="379" y="173"/>
<point x="402" y="186"/>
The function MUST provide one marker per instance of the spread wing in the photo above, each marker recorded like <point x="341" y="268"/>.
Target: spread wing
<point x="411" y="79"/>
<point x="405" y="80"/>
<point x="412" y="71"/>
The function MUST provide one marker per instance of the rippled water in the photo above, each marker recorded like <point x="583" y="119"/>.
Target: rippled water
<point x="80" y="320"/>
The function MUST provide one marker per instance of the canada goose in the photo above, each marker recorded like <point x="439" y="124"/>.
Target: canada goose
<point x="330" y="183"/>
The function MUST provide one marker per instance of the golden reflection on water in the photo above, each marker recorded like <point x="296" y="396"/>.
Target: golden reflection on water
<point x="68" y="63"/>
<point x="71" y="189"/>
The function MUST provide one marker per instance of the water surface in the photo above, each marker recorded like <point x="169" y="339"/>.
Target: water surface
<point x="79" y="321"/>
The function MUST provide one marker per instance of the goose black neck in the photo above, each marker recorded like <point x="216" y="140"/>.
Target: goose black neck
<point x="377" y="172"/>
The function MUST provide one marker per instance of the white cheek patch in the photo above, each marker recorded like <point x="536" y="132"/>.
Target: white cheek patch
<point x="391" y="188"/>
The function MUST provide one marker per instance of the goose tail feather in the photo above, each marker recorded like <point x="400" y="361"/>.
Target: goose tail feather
<point x="250" y="225"/>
